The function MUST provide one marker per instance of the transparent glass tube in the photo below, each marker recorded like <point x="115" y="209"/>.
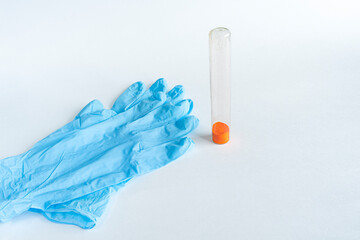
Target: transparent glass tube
<point x="219" y="41"/>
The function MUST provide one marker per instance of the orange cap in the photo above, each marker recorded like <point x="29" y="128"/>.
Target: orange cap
<point x="220" y="133"/>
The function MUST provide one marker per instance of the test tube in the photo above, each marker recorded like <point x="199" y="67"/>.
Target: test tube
<point x="219" y="41"/>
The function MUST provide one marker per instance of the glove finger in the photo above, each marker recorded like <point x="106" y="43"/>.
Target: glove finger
<point x="93" y="118"/>
<point x="80" y="122"/>
<point x="135" y="95"/>
<point x="94" y="111"/>
<point x="138" y="111"/>
<point x="162" y="115"/>
<point x="176" y="94"/>
<point x="159" y="86"/>
<point x="93" y="106"/>
<point x="130" y="95"/>
<point x="97" y="125"/>
<point x="169" y="132"/>
<point x="154" y="98"/>
<point x="158" y="156"/>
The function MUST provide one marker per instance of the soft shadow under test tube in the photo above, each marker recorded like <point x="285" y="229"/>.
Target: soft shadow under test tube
<point x="219" y="41"/>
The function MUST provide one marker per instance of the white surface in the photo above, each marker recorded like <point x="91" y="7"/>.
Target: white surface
<point x="292" y="168"/>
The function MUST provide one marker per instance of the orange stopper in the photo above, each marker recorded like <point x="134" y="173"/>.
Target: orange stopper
<point x="220" y="133"/>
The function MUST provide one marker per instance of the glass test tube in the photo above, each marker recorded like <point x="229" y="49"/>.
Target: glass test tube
<point x="219" y="41"/>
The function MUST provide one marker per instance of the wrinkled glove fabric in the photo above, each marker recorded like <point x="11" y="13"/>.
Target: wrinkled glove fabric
<point x="69" y="175"/>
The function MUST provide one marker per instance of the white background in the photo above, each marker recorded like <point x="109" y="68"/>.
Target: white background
<point x="292" y="167"/>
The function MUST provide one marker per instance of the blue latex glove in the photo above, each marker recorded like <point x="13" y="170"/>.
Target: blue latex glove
<point x="77" y="211"/>
<point x="96" y="153"/>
